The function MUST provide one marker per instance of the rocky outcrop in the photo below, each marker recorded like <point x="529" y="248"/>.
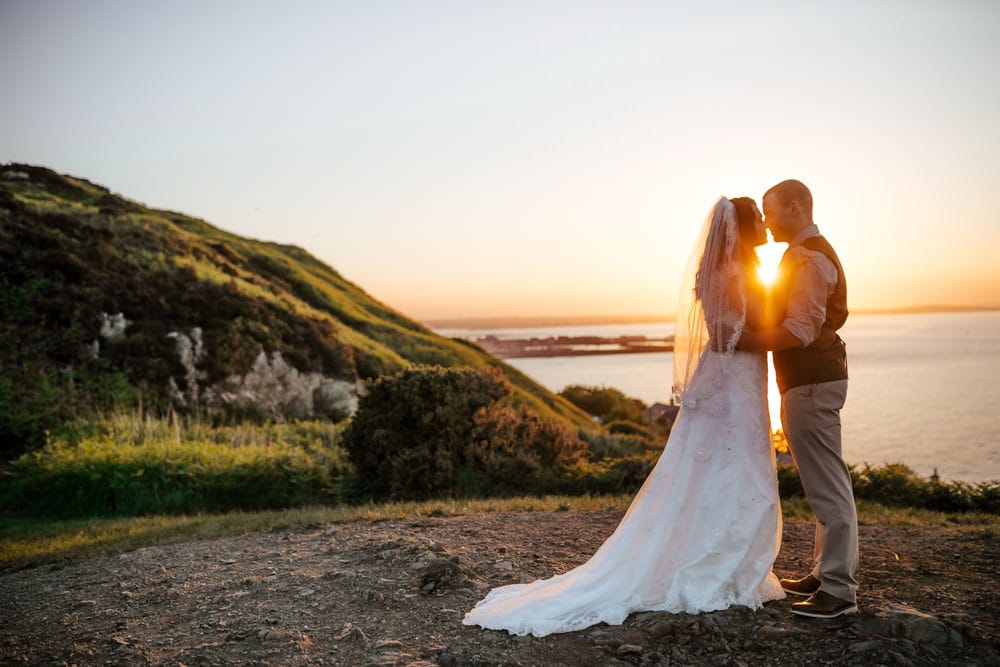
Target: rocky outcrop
<point x="280" y="390"/>
<point x="271" y="386"/>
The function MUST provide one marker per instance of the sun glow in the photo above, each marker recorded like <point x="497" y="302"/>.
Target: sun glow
<point x="773" y="396"/>
<point x="769" y="255"/>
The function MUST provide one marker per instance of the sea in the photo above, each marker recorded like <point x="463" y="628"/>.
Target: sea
<point x="924" y="389"/>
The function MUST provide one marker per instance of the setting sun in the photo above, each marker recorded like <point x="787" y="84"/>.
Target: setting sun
<point x="769" y="255"/>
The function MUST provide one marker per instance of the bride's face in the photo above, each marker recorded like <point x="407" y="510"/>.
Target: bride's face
<point x="759" y="228"/>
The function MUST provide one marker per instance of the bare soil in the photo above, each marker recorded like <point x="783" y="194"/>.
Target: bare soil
<point x="395" y="592"/>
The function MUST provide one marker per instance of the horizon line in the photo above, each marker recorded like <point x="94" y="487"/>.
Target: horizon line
<point x="515" y="321"/>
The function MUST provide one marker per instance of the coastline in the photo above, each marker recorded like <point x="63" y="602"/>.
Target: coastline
<point x="533" y="321"/>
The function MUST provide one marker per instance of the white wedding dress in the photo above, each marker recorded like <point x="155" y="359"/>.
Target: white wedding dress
<point x="704" y="529"/>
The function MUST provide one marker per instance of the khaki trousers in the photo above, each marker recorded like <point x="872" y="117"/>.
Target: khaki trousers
<point x="810" y="418"/>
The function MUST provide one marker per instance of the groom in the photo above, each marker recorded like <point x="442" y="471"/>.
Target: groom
<point x="810" y="362"/>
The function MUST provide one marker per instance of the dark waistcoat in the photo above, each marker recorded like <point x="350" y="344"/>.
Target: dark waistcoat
<point x="825" y="359"/>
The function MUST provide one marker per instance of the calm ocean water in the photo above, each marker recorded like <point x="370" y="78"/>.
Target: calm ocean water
<point x="923" y="391"/>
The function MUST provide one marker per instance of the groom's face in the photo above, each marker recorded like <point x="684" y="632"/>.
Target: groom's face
<point x="775" y="217"/>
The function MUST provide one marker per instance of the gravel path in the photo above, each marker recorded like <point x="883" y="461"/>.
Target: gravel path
<point x="394" y="593"/>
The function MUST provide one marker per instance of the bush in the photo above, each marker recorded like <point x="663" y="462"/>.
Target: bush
<point x="789" y="484"/>
<point x="892" y="484"/>
<point x="430" y="432"/>
<point x="410" y="430"/>
<point x="987" y="496"/>
<point x="619" y="475"/>
<point x="896" y="485"/>
<point x="510" y="448"/>
<point x="623" y="427"/>
<point x="605" y="402"/>
<point x="603" y="445"/>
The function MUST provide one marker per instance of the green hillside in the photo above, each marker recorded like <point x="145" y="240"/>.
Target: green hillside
<point x="100" y="294"/>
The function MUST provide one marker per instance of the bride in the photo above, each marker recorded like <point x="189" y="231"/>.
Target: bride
<point x="704" y="529"/>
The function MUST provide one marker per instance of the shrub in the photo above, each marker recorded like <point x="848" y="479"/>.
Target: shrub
<point x="619" y="475"/>
<point x="789" y="484"/>
<point x="410" y="430"/>
<point x="987" y="496"/>
<point x="509" y="448"/>
<point x="604" y="402"/>
<point x="892" y="484"/>
<point x="623" y="427"/>
<point x="896" y="485"/>
<point x="433" y="431"/>
<point x="597" y="401"/>
<point x="603" y="445"/>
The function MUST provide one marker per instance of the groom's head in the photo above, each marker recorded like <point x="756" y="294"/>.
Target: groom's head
<point x="788" y="208"/>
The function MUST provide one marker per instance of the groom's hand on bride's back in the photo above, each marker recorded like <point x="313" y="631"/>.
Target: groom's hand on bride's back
<point x="747" y="340"/>
<point x="778" y="338"/>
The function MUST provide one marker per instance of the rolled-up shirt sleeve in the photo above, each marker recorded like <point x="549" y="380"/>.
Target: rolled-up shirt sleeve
<point x="812" y="284"/>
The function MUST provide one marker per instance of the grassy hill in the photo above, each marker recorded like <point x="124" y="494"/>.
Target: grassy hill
<point x="74" y="255"/>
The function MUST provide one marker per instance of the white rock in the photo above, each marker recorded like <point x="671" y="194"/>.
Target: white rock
<point x="113" y="326"/>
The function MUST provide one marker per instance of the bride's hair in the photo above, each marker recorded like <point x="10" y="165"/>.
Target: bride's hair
<point x="746" y="222"/>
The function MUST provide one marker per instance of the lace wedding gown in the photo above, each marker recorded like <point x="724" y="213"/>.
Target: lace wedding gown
<point x="701" y="534"/>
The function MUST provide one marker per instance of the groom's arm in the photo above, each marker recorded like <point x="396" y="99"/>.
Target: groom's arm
<point x="777" y="338"/>
<point x="813" y="282"/>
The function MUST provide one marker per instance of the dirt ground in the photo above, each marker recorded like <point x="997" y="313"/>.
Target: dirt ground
<point x="395" y="592"/>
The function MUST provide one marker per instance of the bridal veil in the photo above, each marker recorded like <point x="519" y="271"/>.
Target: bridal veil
<point x="712" y="306"/>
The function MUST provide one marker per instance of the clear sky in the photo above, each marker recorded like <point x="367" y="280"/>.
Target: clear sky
<point x="524" y="158"/>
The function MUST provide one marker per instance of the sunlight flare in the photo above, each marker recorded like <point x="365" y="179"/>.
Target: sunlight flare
<point x="773" y="395"/>
<point x="769" y="255"/>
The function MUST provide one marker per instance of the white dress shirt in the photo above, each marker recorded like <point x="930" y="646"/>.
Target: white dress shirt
<point x="813" y="281"/>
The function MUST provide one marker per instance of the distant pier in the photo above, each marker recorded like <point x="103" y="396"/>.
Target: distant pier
<point x="572" y="346"/>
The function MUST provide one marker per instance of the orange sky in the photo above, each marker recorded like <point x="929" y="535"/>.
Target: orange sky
<point x="506" y="159"/>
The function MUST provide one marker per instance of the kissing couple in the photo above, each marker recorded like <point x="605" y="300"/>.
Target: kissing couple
<point x="703" y="531"/>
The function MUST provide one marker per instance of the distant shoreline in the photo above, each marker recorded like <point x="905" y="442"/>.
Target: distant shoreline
<point x="514" y="322"/>
<point x="511" y="322"/>
<point x="572" y="346"/>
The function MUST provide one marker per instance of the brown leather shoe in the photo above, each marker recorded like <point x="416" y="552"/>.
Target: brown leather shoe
<point x="823" y="605"/>
<point x="803" y="587"/>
